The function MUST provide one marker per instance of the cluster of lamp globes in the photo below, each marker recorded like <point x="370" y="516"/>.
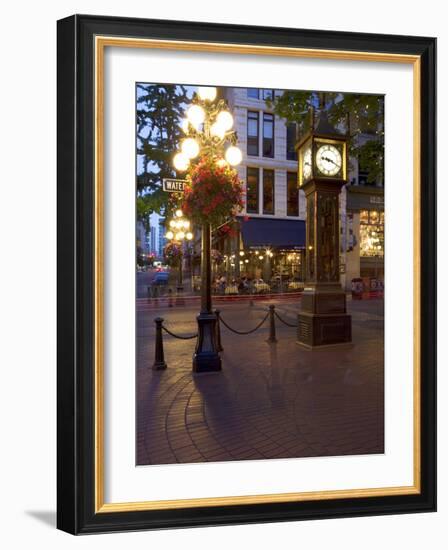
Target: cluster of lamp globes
<point x="179" y="228"/>
<point x="222" y="124"/>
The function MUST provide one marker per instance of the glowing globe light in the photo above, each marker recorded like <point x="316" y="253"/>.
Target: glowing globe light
<point x="169" y="235"/>
<point x="190" y="148"/>
<point x="189" y="235"/>
<point x="185" y="125"/>
<point x="233" y="155"/>
<point x="221" y="163"/>
<point x="179" y="213"/>
<point x="181" y="162"/>
<point x="207" y="93"/>
<point x="217" y="130"/>
<point x="196" y="115"/>
<point x="186" y="224"/>
<point x="172" y="223"/>
<point x="180" y="235"/>
<point x="241" y="253"/>
<point x="261" y="257"/>
<point x="225" y="119"/>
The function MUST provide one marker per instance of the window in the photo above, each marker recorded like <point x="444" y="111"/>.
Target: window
<point x="252" y="190"/>
<point x="268" y="191"/>
<point x="291" y="138"/>
<point x="371" y="232"/>
<point x="268" y="135"/>
<point x="253" y="93"/>
<point x="292" y="199"/>
<point x="252" y="133"/>
<point x="363" y="176"/>
<point x="268" y="94"/>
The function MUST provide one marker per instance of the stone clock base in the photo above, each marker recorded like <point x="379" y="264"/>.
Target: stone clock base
<point x="317" y="330"/>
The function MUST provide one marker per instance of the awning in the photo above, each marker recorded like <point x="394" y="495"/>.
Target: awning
<point x="272" y="232"/>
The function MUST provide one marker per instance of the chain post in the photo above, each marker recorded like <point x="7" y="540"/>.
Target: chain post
<point x="272" y="337"/>
<point x="159" y="359"/>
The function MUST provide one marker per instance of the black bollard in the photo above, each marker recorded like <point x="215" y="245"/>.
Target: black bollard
<point x="218" y="330"/>
<point x="272" y="337"/>
<point x="159" y="359"/>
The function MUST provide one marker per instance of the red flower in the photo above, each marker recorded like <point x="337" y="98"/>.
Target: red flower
<point x="212" y="193"/>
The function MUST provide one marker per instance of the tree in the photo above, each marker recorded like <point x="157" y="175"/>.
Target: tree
<point x="360" y="114"/>
<point x="160" y="109"/>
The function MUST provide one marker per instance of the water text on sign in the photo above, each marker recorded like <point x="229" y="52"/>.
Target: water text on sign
<point x="174" y="185"/>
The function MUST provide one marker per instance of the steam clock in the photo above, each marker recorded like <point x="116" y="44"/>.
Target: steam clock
<point x="322" y="157"/>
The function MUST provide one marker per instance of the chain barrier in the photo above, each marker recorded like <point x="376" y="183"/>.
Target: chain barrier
<point x="159" y="360"/>
<point x="244" y="332"/>
<point x="285" y="322"/>
<point x="178" y="335"/>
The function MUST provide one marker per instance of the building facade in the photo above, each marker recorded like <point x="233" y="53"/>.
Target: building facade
<point x="362" y="225"/>
<point x="141" y="242"/>
<point x="275" y="208"/>
<point x="362" y="252"/>
<point x="161" y="237"/>
<point x="269" y="239"/>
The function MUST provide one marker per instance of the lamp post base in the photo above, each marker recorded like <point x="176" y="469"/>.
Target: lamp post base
<point x="206" y="357"/>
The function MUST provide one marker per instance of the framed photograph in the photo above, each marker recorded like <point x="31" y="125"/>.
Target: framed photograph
<point x="247" y="274"/>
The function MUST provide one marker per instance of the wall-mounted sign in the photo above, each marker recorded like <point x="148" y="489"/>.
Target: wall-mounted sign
<point x="173" y="185"/>
<point x="365" y="198"/>
<point x="377" y="199"/>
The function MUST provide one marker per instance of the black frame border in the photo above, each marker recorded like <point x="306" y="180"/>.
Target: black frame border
<point x="76" y="263"/>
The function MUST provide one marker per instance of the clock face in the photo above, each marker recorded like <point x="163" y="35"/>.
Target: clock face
<point x="306" y="169"/>
<point x="328" y="160"/>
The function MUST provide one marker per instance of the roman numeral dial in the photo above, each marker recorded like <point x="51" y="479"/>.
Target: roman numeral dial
<point x="328" y="160"/>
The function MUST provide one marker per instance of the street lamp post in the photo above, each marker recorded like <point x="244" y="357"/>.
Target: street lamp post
<point x="178" y="233"/>
<point x="208" y="130"/>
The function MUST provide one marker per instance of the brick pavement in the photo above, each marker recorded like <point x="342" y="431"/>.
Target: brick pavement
<point x="269" y="401"/>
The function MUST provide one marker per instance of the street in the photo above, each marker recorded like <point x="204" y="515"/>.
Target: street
<point x="270" y="400"/>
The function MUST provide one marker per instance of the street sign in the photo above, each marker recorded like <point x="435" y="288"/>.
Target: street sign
<point x="173" y="185"/>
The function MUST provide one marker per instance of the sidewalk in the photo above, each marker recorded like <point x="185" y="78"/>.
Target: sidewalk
<point x="269" y="401"/>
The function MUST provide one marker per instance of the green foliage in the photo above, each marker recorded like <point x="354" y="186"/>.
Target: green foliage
<point x="361" y="115"/>
<point x="159" y="111"/>
<point x="370" y="156"/>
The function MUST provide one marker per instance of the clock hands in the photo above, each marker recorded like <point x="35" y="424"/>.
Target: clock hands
<point x="330" y="160"/>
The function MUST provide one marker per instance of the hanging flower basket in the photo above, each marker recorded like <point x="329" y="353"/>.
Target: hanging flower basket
<point x="213" y="192"/>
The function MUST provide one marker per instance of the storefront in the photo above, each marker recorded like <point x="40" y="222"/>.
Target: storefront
<point x="263" y="248"/>
<point x="363" y="236"/>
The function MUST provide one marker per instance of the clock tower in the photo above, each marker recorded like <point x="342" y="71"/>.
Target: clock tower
<point x="322" y="157"/>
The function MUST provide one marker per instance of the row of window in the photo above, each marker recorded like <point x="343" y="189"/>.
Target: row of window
<point x="266" y="195"/>
<point x="268" y="145"/>
<point x="253" y="136"/>
<point x="256" y="93"/>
